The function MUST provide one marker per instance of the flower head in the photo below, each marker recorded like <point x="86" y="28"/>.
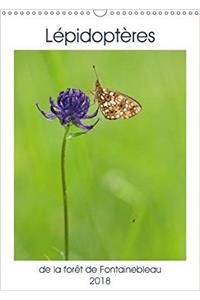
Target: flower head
<point x="71" y="106"/>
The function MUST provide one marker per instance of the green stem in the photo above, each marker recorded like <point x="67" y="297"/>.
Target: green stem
<point x="64" y="189"/>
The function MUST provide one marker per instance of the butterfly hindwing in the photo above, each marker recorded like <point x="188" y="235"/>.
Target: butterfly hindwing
<point x="116" y="105"/>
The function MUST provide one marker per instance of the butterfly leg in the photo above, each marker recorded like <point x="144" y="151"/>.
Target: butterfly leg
<point x="93" y="93"/>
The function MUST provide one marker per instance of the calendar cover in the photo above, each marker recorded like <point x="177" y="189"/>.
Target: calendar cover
<point x="99" y="149"/>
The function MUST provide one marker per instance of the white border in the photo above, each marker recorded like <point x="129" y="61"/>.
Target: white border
<point x="172" y="32"/>
<point x="138" y="4"/>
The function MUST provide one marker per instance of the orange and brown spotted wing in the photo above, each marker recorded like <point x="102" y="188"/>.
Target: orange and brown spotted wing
<point x="115" y="105"/>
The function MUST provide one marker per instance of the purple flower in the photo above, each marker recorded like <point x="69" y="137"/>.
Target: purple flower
<point x="71" y="106"/>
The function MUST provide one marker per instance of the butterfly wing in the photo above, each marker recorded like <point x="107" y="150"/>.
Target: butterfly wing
<point x="116" y="105"/>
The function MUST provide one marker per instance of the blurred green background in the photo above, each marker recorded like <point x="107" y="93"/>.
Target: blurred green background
<point x="126" y="178"/>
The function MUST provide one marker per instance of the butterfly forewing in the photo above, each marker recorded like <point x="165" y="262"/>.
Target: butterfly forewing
<point x="115" y="105"/>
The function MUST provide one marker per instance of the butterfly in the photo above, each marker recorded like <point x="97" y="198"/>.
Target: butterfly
<point x="113" y="104"/>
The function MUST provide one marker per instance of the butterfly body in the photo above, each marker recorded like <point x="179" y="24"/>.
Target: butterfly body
<point x="115" y="105"/>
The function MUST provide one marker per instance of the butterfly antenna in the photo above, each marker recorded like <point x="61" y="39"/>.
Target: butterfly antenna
<point x="95" y="72"/>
